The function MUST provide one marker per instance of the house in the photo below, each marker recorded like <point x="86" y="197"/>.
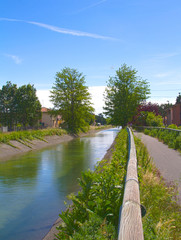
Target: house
<point x="174" y="113"/>
<point x="49" y="120"/>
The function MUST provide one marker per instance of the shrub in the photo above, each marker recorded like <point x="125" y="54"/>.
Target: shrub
<point x="163" y="219"/>
<point x="169" y="137"/>
<point x="100" y="197"/>
<point x="153" y="120"/>
<point x="173" y="126"/>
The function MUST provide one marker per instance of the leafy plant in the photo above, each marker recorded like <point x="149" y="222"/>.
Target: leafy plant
<point x="100" y="197"/>
<point x="169" y="137"/>
<point x="94" y="211"/>
<point x="163" y="218"/>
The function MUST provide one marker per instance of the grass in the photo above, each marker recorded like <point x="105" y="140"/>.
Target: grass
<point x="25" y="137"/>
<point x="169" y="137"/>
<point x="94" y="211"/>
<point x="163" y="217"/>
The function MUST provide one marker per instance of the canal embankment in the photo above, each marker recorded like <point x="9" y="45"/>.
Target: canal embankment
<point x="34" y="186"/>
<point x="107" y="159"/>
<point x="14" y="147"/>
<point x="167" y="160"/>
<point x="98" y="203"/>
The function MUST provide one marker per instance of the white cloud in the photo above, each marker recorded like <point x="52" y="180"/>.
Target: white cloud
<point x="61" y="30"/>
<point x="166" y="55"/>
<point x="161" y="100"/>
<point x="169" y="83"/>
<point x="161" y="75"/>
<point x="97" y="97"/>
<point x="91" y="6"/>
<point x="44" y="98"/>
<point x="96" y="93"/>
<point x="15" y="58"/>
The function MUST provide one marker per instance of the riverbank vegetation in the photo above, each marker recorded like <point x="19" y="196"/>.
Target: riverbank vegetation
<point x="26" y="136"/>
<point x="169" y="137"/>
<point x="163" y="214"/>
<point x="94" y="212"/>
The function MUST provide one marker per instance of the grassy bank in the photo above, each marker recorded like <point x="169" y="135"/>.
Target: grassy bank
<point x="166" y="135"/>
<point x="25" y="137"/>
<point x="94" y="211"/>
<point x="163" y="218"/>
<point x="169" y="137"/>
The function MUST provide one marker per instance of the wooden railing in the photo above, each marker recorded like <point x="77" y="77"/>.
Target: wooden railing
<point x="130" y="220"/>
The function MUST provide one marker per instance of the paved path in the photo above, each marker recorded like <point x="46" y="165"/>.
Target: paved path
<point x="167" y="160"/>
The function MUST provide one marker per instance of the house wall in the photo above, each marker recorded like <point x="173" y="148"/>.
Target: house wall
<point x="177" y="114"/>
<point x="47" y="120"/>
<point x="174" y="115"/>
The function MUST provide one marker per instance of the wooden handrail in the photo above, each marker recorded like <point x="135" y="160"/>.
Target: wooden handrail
<point x="131" y="221"/>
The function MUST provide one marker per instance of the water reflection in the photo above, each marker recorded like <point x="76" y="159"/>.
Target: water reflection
<point x="33" y="187"/>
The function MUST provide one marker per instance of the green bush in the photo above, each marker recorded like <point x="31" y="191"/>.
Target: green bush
<point x="25" y="136"/>
<point x="100" y="197"/>
<point x="173" y="126"/>
<point x="163" y="219"/>
<point x="169" y="137"/>
<point x="153" y="120"/>
<point x="94" y="211"/>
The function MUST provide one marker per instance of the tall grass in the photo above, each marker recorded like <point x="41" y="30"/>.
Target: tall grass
<point x="26" y="136"/>
<point x="163" y="218"/>
<point x="169" y="137"/>
<point x="94" y="212"/>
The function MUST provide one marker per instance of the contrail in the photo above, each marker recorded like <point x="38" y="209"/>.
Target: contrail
<point x="62" y="30"/>
<point x="91" y="6"/>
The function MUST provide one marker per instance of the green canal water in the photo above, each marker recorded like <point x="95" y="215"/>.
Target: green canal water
<point x="33" y="187"/>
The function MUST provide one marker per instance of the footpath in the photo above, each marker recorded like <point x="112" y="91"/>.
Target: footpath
<point x="167" y="160"/>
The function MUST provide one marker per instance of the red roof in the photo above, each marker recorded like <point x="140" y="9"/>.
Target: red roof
<point x="44" y="109"/>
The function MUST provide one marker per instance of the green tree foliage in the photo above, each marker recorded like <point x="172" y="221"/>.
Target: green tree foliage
<point x="163" y="110"/>
<point x="178" y="99"/>
<point x="72" y="100"/>
<point x="124" y="94"/>
<point x="19" y="106"/>
<point x="141" y="113"/>
<point x="100" y="119"/>
<point x="8" y="105"/>
<point x="153" y="120"/>
<point x="28" y="105"/>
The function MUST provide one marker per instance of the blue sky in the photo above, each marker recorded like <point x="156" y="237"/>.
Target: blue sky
<point x="39" y="38"/>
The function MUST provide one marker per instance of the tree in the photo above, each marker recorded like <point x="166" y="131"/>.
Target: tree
<point x="123" y="95"/>
<point x="28" y="105"/>
<point x="153" y="120"/>
<point x="178" y="100"/>
<point x="163" y="110"/>
<point x="71" y="99"/>
<point x="8" y="116"/>
<point x="141" y="113"/>
<point x="100" y="119"/>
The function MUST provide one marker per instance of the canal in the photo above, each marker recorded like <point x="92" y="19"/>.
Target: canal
<point x="33" y="187"/>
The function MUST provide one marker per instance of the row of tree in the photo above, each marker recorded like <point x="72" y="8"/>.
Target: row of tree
<point x="125" y="101"/>
<point x="19" y="106"/>
<point x="123" y="95"/>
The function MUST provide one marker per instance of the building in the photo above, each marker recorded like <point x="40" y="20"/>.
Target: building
<point x="174" y="113"/>
<point x="49" y="120"/>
